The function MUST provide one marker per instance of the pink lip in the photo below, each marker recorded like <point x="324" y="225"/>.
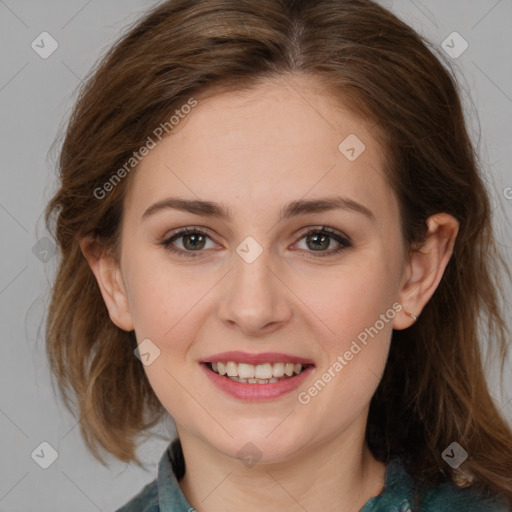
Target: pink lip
<point x="266" y="357"/>
<point x="256" y="392"/>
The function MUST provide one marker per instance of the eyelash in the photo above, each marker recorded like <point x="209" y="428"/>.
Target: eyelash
<point x="344" y="242"/>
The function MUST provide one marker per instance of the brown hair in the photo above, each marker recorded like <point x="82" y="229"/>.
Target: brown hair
<point x="433" y="390"/>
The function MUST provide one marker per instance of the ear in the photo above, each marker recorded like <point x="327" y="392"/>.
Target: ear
<point x="426" y="267"/>
<point x="108" y="274"/>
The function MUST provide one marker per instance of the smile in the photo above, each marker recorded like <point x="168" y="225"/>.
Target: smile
<point x="256" y="377"/>
<point x="266" y="373"/>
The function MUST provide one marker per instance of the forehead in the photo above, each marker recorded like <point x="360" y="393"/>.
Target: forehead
<point x="262" y="147"/>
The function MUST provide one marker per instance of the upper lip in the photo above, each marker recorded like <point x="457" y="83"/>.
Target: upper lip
<point x="255" y="359"/>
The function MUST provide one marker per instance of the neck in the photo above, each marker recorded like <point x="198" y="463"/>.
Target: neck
<point x="341" y="474"/>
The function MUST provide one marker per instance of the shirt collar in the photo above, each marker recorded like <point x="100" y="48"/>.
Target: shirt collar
<point x="170" y="495"/>
<point x="396" y="495"/>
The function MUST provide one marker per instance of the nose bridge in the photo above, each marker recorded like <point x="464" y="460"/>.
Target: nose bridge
<point x="252" y="274"/>
<point x="254" y="297"/>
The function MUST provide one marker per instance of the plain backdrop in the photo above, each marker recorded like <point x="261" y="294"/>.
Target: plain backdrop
<point x="36" y="96"/>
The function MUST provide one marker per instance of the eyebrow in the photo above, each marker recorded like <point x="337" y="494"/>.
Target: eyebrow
<point x="293" y="209"/>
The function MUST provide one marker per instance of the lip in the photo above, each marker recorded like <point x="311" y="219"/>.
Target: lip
<point x="254" y="359"/>
<point x="257" y="392"/>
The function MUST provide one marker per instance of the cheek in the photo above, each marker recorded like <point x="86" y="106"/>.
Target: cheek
<point x="356" y="306"/>
<point x="354" y="300"/>
<point x="355" y="347"/>
<point x="161" y="296"/>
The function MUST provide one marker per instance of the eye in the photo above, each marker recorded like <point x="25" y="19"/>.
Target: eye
<point x="193" y="240"/>
<point x="320" y="239"/>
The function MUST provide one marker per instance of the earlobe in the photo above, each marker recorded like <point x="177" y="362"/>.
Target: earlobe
<point x="108" y="275"/>
<point x="426" y="267"/>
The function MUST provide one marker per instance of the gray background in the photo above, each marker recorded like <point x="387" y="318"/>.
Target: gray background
<point x="36" y="96"/>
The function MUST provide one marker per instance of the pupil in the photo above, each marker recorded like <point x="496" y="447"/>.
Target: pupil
<point x="196" y="241"/>
<point x="323" y="238"/>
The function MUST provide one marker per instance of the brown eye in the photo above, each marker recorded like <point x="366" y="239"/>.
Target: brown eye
<point x="191" y="240"/>
<point x="319" y="240"/>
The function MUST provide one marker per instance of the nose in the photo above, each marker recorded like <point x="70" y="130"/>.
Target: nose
<point x="255" y="299"/>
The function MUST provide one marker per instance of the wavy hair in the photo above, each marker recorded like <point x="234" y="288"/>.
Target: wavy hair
<point x="433" y="390"/>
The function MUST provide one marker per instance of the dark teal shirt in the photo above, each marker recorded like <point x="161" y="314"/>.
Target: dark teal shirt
<point x="164" y="495"/>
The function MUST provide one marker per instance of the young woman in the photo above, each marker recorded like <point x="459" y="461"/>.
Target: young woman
<point x="272" y="227"/>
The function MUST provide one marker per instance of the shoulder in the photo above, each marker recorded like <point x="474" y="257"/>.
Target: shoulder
<point x="403" y="493"/>
<point x="163" y="494"/>
<point x="448" y="496"/>
<point x="145" y="501"/>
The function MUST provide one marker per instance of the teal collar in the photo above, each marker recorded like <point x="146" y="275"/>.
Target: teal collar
<point x="397" y="492"/>
<point x="396" y="495"/>
<point x="164" y="494"/>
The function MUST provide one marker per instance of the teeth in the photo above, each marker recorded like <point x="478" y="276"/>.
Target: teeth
<point x="263" y="371"/>
<point x="245" y="371"/>
<point x="256" y="374"/>
<point x="221" y="368"/>
<point x="278" y="369"/>
<point x="231" y="369"/>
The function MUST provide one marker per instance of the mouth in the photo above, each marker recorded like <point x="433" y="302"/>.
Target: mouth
<point x="266" y="373"/>
<point x="256" y="377"/>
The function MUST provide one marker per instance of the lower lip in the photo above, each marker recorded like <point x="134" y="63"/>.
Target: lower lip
<point x="256" y="392"/>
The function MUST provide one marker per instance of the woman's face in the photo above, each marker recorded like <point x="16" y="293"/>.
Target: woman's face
<point x="279" y="162"/>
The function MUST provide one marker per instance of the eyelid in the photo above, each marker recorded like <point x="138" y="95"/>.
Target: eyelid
<point x="301" y="232"/>
<point x="179" y="233"/>
<point x="344" y="241"/>
<point x="341" y="238"/>
<point x="323" y="229"/>
<point x="188" y="229"/>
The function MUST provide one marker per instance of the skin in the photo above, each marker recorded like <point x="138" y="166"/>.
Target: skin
<point x="255" y="151"/>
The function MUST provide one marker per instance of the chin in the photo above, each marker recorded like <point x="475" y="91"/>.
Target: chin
<point x="257" y="446"/>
